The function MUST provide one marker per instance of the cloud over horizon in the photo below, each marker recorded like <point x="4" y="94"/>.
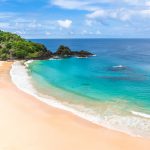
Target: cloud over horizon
<point x="64" y="23"/>
<point x="76" y="18"/>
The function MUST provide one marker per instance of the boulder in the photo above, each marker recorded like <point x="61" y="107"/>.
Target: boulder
<point x="82" y="53"/>
<point x="63" y="51"/>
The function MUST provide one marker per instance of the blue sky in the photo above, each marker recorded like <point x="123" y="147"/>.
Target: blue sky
<point x="76" y="18"/>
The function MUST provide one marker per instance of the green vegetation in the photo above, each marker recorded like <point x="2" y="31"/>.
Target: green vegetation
<point x="13" y="46"/>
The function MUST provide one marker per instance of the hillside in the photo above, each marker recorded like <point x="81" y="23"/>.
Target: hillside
<point x="13" y="46"/>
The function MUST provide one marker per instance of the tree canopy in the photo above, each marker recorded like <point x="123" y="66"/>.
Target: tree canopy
<point x="12" y="46"/>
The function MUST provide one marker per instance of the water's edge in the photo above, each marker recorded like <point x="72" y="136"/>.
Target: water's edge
<point x="24" y="84"/>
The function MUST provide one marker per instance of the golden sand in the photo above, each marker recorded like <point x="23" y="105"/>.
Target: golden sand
<point x="28" y="124"/>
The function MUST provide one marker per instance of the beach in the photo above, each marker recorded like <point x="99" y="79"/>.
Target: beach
<point x="28" y="124"/>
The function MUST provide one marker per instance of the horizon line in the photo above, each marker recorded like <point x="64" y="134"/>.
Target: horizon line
<point x="86" y="38"/>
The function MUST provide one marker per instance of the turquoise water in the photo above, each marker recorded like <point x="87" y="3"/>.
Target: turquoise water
<point x="98" y="84"/>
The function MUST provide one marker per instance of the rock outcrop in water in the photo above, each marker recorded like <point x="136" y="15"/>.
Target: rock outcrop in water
<point x="12" y="47"/>
<point x="64" y="51"/>
<point x="82" y="53"/>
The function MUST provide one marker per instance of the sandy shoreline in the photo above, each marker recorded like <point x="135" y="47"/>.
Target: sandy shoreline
<point x="28" y="124"/>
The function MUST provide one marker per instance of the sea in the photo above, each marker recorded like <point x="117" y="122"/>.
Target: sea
<point x="111" y="88"/>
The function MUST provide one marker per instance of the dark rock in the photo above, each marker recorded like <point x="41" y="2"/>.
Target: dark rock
<point x="12" y="47"/>
<point x="82" y="53"/>
<point x="44" y="55"/>
<point x="63" y="51"/>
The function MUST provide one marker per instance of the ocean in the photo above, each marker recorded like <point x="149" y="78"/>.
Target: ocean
<point x="111" y="89"/>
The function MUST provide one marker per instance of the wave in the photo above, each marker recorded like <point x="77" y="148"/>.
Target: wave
<point x="80" y="57"/>
<point x="22" y="80"/>
<point x="55" y="58"/>
<point x="28" y="62"/>
<point x="141" y="114"/>
<point x="130" y="124"/>
<point x="119" y="66"/>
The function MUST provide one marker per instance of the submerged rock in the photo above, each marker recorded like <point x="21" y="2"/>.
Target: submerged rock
<point x="123" y="78"/>
<point x="118" y="68"/>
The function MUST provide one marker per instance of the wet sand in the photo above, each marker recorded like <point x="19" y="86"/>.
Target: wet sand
<point x="28" y="124"/>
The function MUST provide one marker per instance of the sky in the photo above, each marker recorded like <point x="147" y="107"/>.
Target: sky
<point x="76" y="18"/>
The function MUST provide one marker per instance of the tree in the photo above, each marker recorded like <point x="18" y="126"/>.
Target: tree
<point x="13" y="46"/>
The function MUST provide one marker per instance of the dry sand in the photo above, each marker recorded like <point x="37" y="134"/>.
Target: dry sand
<point x="28" y="124"/>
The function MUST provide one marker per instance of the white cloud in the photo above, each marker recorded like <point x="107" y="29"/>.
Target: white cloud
<point x="64" y="23"/>
<point x="97" y="14"/>
<point x="20" y="32"/>
<point x="133" y="2"/>
<point x="147" y="3"/>
<point x="145" y="13"/>
<point x="5" y="15"/>
<point x="123" y="10"/>
<point x="123" y="14"/>
<point x="68" y="4"/>
<point x="98" y="32"/>
<point x="119" y="14"/>
<point x="111" y="14"/>
<point x="48" y="33"/>
<point x="4" y="25"/>
<point x="75" y="4"/>
<point x="88" y="22"/>
<point x="92" y="5"/>
<point x="84" y="32"/>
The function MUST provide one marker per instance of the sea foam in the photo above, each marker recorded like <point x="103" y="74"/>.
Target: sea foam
<point x="133" y="125"/>
<point x="28" y="62"/>
<point x="141" y="114"/>
<point x="22" y="80"/>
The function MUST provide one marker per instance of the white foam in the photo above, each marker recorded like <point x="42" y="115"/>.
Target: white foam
<point x="55" y="59"/>
<point x="132" y="125"/>
<point x="119" y="66"/>
<point x="21" y="79"/>
<point x="81" y="57"/>
<point x="28" y="62"/>
<point x="141" y="114"/>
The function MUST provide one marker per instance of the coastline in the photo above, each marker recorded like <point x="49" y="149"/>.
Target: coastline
<point x="129" y="125"/>
<point x="35" y="125"/>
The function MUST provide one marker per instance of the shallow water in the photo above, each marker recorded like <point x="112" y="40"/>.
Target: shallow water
<point x="112" y="88"/>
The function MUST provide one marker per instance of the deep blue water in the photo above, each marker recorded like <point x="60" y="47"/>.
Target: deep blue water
<point x="119" y="73"/>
